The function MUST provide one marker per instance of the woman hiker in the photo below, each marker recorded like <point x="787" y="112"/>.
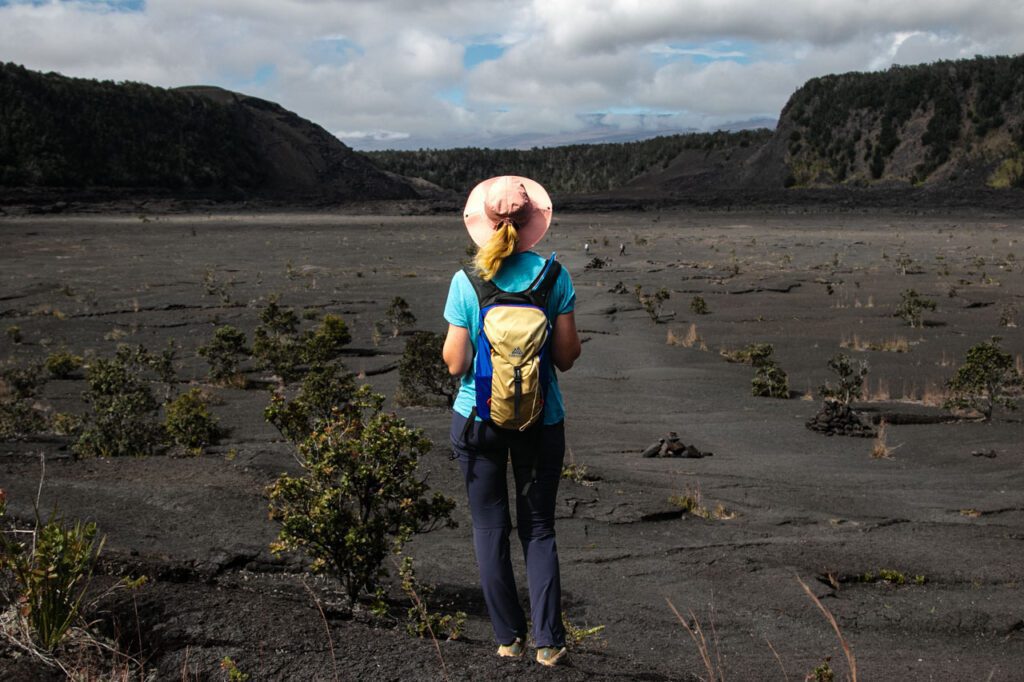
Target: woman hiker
<point x="509" y="405"/>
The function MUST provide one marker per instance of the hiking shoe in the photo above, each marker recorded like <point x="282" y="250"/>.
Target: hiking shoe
<point x="552" y="655"/>
<point x="513" y="650"/>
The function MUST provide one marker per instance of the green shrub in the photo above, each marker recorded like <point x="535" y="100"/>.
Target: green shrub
<point x="359" y="496"/>
<point x="422" y="372"/>
<point x="323" y="389"/>
<point x="50" y="572"/>
<point x="235" y="674"/>
<point x="911" y="307"/>
<point x="14" y="333"/>
<point x="576" y="637"/>
<point x="698" y="306"/>
<point x="276" y="345"/>
<point x="224" y="353"/>
<point x="66" y="424"/>
<point x="122" y="419"/>
<point x="162" y="364"/>
<point x="62" y="363"/>
<point x="746" y="356"/>
<point x="328" y="340"/>
<point x="987" y="379"/>
<point x="1008" y="315"/>
<point x="189" y="422"/>
<point x="19" y="390"/>
<point x="770" y="381"/>
<point x="822" y="673"/>
<point x="851" y="379"/>
<point x="652" y="303"/>
<point x="399" y="316"/>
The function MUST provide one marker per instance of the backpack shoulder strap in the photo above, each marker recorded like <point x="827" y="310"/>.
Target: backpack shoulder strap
<point x="486" y="291"/>
<point x="541" y="288"/>
<point x="537" y="293"/>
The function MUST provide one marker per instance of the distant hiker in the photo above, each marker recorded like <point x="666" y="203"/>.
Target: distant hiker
<point x="586" y="248"/>
<point x="622" y="248"/>
<point x="517" y="306"/>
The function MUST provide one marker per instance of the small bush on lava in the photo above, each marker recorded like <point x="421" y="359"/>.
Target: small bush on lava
<point x="912" y="306"/>
<point x="324" y="388"/>
<point x="399" y="315"/>
<point x="987" y="379"/>
<point x="50" y="571"/>
<point x="224" y="353"/>
<point x="19" y="390"/>
<point x="422" y="373"/>
<point x="851" y="375"/>
<point x="62" y="363"/>
<point x="189" y="422"/>
<point x="770" y="381"/>
<point x="359" y="496"/>
<point x="122" y="417"/>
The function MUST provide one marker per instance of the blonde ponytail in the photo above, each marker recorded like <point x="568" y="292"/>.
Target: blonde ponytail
<point x="501" y="245"/>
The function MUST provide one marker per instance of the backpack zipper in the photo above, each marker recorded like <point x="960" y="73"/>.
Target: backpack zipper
<point x="517" y="378"/>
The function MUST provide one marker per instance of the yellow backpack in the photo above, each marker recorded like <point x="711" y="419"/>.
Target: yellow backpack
<point x="513" y="368"/>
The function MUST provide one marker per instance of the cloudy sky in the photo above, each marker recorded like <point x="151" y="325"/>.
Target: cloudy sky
<point x="443" y="73"/>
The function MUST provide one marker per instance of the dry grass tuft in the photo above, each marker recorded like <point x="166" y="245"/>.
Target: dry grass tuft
<point x="881" y="392"/>
<point x="880" y="448"/>
<point x="691" y="339"/>
<point x="710" y="655"/>
<point x="931" y="393"/>
<point x="692" y="502"/>
<point x="850" y="660"/>
<point x="896" y="344"/>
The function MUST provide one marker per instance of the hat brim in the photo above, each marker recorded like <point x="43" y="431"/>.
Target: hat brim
<point x="531" y="231"/>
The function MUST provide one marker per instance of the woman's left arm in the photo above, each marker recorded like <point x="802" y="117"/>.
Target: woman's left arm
<point x="565" y="342"/>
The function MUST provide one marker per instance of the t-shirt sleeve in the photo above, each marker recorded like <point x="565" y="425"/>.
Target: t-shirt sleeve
<point x="456" y="310"/>
<point x="564" y="294"/>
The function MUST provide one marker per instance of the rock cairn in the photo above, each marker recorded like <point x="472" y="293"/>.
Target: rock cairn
<point x="838" y="419"/>
<point x="671" y="446"/>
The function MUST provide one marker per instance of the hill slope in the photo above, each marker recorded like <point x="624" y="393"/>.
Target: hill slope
<point x="951" y="121"/>
<point x="65" y="132"/>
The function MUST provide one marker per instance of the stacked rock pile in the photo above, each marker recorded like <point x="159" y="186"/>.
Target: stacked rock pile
<point x="671" y="446"/>
<point x="838" y="419"/>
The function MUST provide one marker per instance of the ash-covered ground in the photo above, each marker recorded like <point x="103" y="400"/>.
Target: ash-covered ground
<point x="795" y="503"/>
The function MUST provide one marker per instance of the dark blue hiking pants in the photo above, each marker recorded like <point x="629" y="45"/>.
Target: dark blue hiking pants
<point x="537" y="458"/>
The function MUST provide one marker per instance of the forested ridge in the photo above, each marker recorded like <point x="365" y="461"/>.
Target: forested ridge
<point x="579" y="168"/>
<point x="959" y="122"/>
<point x="75" y="133"/>
<point x="909" y="123"/>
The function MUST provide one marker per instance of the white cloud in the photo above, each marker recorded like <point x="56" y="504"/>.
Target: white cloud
<point x="376" y="68"/>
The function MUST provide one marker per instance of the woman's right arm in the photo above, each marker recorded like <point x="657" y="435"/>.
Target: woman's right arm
<point x="565" y="343"/>
<point x="458" y="350"/>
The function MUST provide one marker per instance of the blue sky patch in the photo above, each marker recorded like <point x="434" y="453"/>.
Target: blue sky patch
<point x="741" y="52"/>
<point x="333" y="50"/>
<point x="481" y="52"/>
<point x="263" y="74"/>
<point x="456" y="96"/>
<point x="112" y="5"/>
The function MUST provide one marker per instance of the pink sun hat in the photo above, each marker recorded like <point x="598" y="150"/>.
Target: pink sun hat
<point x="519" y="199"/>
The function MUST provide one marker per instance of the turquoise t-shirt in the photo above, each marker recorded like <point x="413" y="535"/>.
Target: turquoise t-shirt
<point x="463" y="310"/>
